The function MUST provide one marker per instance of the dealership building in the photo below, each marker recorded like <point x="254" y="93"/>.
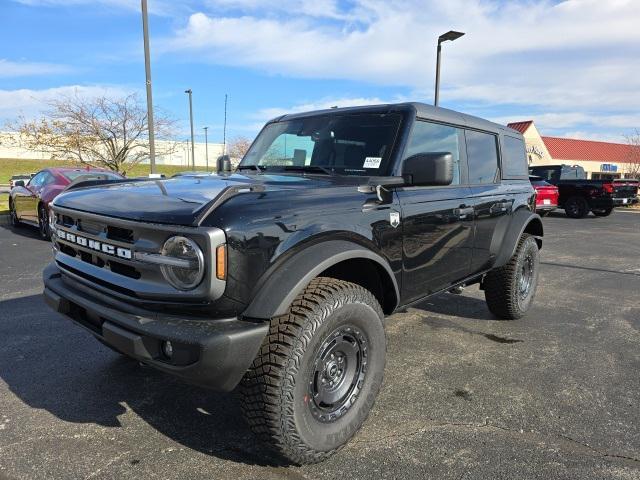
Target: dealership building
<point x="601" y="160"/>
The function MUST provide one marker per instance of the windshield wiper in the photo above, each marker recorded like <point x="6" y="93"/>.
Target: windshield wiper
<point x="309" y="168"/>
<point x="259" y="168"/>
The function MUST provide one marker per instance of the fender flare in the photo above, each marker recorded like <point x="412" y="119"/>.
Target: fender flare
<point x="522" y="220"/>
<point x="284" y="281"/>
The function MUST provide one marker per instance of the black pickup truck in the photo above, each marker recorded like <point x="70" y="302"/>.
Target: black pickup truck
<point x="579" y="196"/>
<point x="277" y="278"/>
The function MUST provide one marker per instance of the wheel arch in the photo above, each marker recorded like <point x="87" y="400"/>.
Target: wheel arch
<point x="523" y="221"/>
<point x="339" y="259"/>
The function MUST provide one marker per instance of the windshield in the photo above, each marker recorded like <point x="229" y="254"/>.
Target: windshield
<point x="88" y="173"/>
<point x="351" y="144"/>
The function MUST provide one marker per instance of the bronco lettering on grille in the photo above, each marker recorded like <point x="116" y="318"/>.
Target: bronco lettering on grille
<point x="95" y="244"/>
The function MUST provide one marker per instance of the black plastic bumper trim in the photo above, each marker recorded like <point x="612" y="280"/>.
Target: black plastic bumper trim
<point x="224" y="348"/>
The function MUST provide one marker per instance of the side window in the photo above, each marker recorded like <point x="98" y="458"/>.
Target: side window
<point x="514" y="158"/>
<point x="482" y="157"/>
<point x="37" y="180"/>
<point x="48" y="179"/>
<point x="429" y="137"/>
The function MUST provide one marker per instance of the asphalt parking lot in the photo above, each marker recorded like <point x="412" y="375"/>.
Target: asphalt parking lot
<point x="554" y="395"/>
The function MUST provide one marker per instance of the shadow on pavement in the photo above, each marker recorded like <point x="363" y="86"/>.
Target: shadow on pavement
<point x="457" y="305"/>
<point x="54" y="365"/>
<point x="22" y="231"/>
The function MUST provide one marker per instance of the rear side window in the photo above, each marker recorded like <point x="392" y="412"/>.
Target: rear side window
<point x="514" y="158"/>
<point x="482" y="157"/>
<point x="431" y="138"/>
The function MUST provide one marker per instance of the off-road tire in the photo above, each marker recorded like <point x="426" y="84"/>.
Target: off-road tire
<point x="502" y="287"/>
<point x="605" y="212"/>
<point x="275" y="396"/>
<point x="43" y="223"/>
<point x="576" y="207"/>
<point x="13" y="215"/>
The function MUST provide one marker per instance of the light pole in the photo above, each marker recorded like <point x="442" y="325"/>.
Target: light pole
<point x="147" y="70"/>
<point x="450" y="35"/>
<point x="206" y="146"/>
<point x="193" y="149"/>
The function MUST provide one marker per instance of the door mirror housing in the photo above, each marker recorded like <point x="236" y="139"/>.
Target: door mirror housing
<point x="424" y="169"/>
<point x="18" y="183"/>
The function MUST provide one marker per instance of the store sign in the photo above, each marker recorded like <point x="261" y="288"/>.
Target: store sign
<point x="608" y="167"/>
<point x="535" y="150"/>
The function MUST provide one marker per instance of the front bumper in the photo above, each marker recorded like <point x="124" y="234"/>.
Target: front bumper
<point x="210" y="353"/>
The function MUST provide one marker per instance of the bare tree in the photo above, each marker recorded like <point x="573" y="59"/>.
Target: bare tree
<point x="99" y="131"/>
<point x="632" y="165"/>
<point x="238" y="147"/>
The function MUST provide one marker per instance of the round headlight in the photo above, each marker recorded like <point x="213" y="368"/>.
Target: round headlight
<point x="188" y="269"/>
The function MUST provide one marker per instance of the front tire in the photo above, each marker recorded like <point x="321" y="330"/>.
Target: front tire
<point x="318" y="372"/>
<point x="43" y="223"/>
<point x="576" y="207"/>
<point x="509" y="290"/>
<point x="13" y="215"/>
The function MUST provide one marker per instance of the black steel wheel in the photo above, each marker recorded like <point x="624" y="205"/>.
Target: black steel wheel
<point x="318" y="371"/>
<point x="339" y="371"/>
<point x="576" y="207"/>
<point x="43" y="222"/>
<point x="509" y="290"/>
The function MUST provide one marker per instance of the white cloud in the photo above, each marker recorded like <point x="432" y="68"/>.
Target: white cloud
<point x="579" y="54"/>
<point x="10" y="68"/>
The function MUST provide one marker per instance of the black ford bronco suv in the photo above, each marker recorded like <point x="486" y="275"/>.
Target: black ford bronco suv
<point x="276" y="278"/>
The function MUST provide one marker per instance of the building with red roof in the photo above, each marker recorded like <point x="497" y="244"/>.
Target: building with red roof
<point x="599" y="159"/>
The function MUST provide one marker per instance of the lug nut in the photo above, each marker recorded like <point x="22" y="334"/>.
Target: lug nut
<point x="167" y="349"/>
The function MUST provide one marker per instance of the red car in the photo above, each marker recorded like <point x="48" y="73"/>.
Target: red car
<point x="29" y="201"/>
<point x="547" y="195"/>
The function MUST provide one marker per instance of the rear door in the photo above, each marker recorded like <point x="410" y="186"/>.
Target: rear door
<point x="437" y="222"/>
<point x="492" y="200"/>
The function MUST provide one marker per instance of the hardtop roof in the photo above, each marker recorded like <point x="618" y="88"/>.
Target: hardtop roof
<point x="422" y="110"/>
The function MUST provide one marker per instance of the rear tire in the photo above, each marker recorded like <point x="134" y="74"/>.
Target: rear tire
<point x="576" y="207"/>
<point x="509" y="290"/>
<point x="603" y="213"/>
<point x="318" y="372"/>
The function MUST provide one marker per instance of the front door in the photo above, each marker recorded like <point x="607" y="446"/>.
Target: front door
<point x="437" y="222"/>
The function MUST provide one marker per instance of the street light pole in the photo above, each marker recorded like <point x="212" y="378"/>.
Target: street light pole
<point x="451" y="35"/>
<point x="206" y="146"/>
<point x="147" y="69"/>
<point x="193" y="150"/>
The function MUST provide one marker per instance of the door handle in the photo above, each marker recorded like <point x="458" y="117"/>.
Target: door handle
<point x="501" y="206"/>
<point x="463" y="211"/>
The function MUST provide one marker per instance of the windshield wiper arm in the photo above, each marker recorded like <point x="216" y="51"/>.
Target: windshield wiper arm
<point x="309" y="168"/>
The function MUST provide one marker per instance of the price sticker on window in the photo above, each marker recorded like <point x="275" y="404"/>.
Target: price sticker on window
<point x="372" y="162"/>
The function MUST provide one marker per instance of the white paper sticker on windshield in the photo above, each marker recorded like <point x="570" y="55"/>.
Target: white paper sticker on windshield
<point x="372" y="162"/>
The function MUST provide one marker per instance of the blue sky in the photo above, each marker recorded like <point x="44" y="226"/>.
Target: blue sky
<point x="572" y="66"/>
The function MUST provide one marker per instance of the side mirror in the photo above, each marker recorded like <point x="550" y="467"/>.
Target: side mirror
<point x="429" y="169"/>
<point x="18" y="183"/>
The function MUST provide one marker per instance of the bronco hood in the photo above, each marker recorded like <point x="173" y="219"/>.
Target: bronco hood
<point x="176" y="201"/>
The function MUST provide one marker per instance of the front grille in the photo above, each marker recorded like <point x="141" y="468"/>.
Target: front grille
<point x="117" y="254"/>
<point x="120" y="234"/>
